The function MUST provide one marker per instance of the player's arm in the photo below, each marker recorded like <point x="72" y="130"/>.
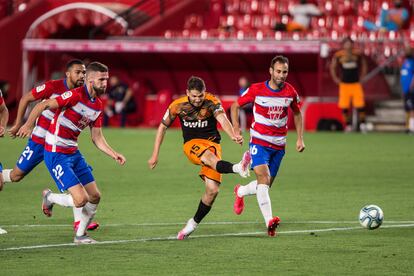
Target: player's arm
<point x="100" y="142"/>
<point x="234" y="115"/>
<point x="332" y="70"/>
<point x="228" y="128"/>
<point x="364" y="67"/>
<point x="300" y="145"/>
<point x="4" y="118"/>
<point x="26" y="129"/>
<point x="23" y="103"/>
<point x="159" y="138"/>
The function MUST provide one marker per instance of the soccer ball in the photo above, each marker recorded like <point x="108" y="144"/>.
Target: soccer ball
<point x="371" y="217"/>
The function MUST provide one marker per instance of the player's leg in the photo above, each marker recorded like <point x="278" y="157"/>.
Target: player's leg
<point x="344" y="103"/>
<point x="212" y="180"/>
<point x="31" y="156"/>
<point x="84" y="173"/>
<point x="259" y="156"/>
<point x="358" y="102"/>
<point x="242" y="168"/>
<point x="410" y="109"/>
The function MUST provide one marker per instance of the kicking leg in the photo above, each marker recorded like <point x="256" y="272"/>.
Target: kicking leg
<point x="242" y="168"/>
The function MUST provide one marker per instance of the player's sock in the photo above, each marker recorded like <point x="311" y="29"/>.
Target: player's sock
<point x="88" y="212"/>
<point x="6" y="176"/>
<point x="249" y="189"/>
<point x="264" y="202"/>
<point x="410" y="126"/>
<point x="77" y="213"/>
<point x="225" y="167"/>
<point x="64" y="200"/>
<point x="202" y="211"/>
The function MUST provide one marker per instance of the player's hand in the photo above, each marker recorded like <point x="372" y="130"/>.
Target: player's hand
<point x="119" y="158"/>
<point x="24" y="131"/>
<point x="13" y="130"/>
<point x="237" y="131"/>
<point x="300" y="146"/>
<point x="152" y="162"/>
<point x="238" y="139"/>
<point x="2" y="131"/>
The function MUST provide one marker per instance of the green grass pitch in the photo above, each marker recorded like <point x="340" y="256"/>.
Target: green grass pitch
<point x="317" y="194"/>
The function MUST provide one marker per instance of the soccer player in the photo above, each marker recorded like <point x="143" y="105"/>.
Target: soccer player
<point x="32" y="155"/>
<point x="271" y="100"/>
<point x="199" y="112"/>
<point x="407" y="87"/>
<point x="353" y="68"/>
<point x="76" y="109"/>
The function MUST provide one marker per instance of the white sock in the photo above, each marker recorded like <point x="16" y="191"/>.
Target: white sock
<point x="88" y="212"/>
<point x="64" y="200"/>
<point x="6" y="176"/>
<point x="410" y="125"/>
<point x="264" y="202"/>
<point x="190" y="226"/>
<point x="236" y="168"/>
<point x="249" y="189"/>
<point x="77" y="213"/>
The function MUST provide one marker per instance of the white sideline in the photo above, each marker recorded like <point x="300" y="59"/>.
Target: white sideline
<point x="204" y="223"/>
<point x="203" y="236"/>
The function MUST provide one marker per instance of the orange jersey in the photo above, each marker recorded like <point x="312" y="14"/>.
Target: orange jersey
<point x="350" y="65"/>
<point x="196" y="122"/>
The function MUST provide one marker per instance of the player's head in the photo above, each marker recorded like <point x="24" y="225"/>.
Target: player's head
<point x="279" y="68"/>
<point x="97" y="76"/>
<point x="196" y="91"/>
<point x="75" y="73"/>
<point x="347" y="43"/>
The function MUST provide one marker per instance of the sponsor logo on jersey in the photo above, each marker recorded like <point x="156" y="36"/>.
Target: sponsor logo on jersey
<point x="40" y="88"/>
<point x="197" y="124"/>
<point x="67" y="95"/>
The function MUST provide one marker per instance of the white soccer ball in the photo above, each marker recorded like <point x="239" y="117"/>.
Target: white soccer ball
<point x="371" y="217"/>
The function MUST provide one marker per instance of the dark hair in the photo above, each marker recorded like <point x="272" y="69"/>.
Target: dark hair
<point x="346" y="39"/>
<point x="73" y="62"/>
<point x="96" y="67"/>
<point x="196" y="83"/>
<point x="279" y="59"/>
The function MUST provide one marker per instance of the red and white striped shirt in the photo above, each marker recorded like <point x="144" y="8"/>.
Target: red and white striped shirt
<point x="49" y="90"/>
<point x="270" y="111"/>
<point x="76" y="111"/>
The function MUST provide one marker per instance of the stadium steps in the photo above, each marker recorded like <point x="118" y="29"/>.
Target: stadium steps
<point x="389" y="116"/>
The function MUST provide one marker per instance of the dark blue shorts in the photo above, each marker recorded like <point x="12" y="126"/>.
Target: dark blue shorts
<point x="30" y="157"/>
<point x="68" y="169"/>
<point x="266" y="156"/>
<point x="409" y="101"/>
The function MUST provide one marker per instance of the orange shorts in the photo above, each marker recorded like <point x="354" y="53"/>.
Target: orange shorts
<point x="194" y="148"/>
<point x="351" y="92"/>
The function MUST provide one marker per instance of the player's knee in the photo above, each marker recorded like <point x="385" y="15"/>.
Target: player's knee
<point x="212" y="192"/>
<point x="208" y="158"/>
<point x="264" y="179"/>
<point x="80" y="202"/>
<point x="95" y="198"/>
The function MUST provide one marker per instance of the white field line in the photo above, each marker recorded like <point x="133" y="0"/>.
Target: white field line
<point x="202" y="236"/>
<point x="204" y="223"/>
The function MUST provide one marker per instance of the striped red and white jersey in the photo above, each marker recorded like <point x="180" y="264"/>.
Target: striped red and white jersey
<point x="270" y="110"/>
<point x="49" y="90"/>
<point x="76" y="111"/>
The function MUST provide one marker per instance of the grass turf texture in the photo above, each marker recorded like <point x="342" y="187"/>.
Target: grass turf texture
<point x="336" y="175"/>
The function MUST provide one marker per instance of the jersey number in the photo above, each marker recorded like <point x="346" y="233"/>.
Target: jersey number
<point x="27" y="153"/>
<point x="58" y="171"/>
<point x="253" y="150"/>
<point x="194" y="149"/>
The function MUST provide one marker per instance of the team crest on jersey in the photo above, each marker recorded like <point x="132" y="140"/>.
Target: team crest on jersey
<point x="67" y="95"/>
<point x="275" y="112"/>
<point x="40" y="88"/>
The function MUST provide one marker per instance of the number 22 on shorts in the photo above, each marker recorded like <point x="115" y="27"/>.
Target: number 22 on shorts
<point x="58" y="171"/>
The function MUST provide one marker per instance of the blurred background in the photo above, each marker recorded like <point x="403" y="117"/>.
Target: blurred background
<point x="154" y="46"/>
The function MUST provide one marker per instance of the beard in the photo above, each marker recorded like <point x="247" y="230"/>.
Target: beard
<point x="99" y="90"/>
<point x="79" y="83"/>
